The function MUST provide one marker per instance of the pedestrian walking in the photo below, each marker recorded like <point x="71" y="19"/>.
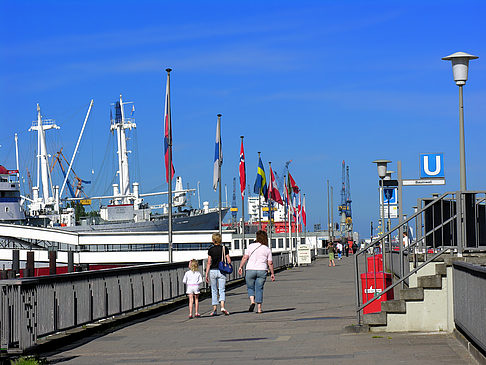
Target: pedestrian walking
<point x="330" y="251"/>
<point x="339" y="248"/>
<point x="346" y="249"/>
<point x="216" y="277"/>
<point x="259" y="257"/>
<point x="192" y="279"/>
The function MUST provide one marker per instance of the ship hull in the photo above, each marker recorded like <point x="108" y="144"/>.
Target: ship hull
<point x="207" y="221"/>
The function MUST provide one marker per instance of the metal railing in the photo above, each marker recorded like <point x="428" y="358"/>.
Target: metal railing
<point x="469" y="285"/>
<point x="34" y="308"/>
<point x="452" y="222"/>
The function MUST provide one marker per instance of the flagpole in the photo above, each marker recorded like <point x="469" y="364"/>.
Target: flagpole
<point x="305" y="226"/>
<point x="259" y="203"/>
<point x="286" y="203"/>
<point x="270" y="205"/>
<point x="169" y="196"/>
<point x="243" y="206"/>
<point x="219" y="174"/>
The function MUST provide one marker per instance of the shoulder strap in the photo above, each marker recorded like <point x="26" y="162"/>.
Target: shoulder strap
<point x="223" y="253"/>
<point x="254" y="250"/>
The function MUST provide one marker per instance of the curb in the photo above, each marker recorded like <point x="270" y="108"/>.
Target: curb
<point x="475" y="353"/>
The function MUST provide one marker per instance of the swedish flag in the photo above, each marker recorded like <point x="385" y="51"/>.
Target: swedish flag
<point x="260" y="187"/>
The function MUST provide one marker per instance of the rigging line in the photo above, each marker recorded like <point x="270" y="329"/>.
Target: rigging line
<point x="102" y="170"/>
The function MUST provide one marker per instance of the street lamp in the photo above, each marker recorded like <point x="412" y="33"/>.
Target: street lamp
<point x="460" y="63"/>
<point x="388" y="177"/>
<point x="381" y="167"/>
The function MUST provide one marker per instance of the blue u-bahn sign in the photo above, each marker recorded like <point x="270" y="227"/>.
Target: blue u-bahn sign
<point x="431" y="165"/>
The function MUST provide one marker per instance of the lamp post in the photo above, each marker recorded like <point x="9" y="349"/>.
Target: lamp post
<point x="388" y="177"/>
<point x="460" y="63"/>
<point x="381" y="168"/>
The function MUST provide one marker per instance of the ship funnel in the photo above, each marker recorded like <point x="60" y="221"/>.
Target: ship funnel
<point x="179" y="198"/>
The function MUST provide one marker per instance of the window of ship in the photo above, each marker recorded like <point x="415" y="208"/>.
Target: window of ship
<point x="302" y="241"/>
<point x="274" y="243"/>
<point x="237" y="244"/>
<point x="280" y="243"/>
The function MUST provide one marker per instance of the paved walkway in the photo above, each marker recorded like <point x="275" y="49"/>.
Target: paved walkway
<point x="306" y="310"/>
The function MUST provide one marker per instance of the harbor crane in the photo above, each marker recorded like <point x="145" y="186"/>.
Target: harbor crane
<point x="344" y="208"/>
<point x="58" y="159"/>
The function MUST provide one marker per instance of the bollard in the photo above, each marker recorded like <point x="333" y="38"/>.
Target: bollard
<point x="70" y="261"/>
<point x="52" y="262"/>
<point x="15" y="262"/>
<point x="29" y="269"/>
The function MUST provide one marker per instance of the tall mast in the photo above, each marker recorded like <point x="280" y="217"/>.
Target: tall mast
<point x="42" y="158"/>
<point x="120" y="124"/>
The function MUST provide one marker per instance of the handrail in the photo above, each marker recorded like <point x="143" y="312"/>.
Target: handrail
<point x="380" y="238"/>
<point x="403" y="279"/>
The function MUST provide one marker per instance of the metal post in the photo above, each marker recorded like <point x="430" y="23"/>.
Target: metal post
<point x="243" y="208"/>
<point x="259" y="202"/>
<point x="356" y="275"/>
<point x="15" y="262"/>
<point x="332" y="218"/>
<point x="460" y="222"/>
<point x="52" y="262"/>
<point x="462" y="148"/>
<point x="29" y="272"/>
<point x="169" y="143"/>
<point x="400" y="217"/>
<point x="219" y="183"/>
<point x="70" y="261"/>
<point x="328" y="214"/>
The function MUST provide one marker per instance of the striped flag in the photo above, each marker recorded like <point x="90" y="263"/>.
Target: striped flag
<point x="218" y="155"/>
<point x="242" y="171"/>
<point x="273" y="192"/>
<point x="260" y="186"/>
<point x="304" y="216"/>
<point x="168" y="133"/>
<point x="293" y="185"/>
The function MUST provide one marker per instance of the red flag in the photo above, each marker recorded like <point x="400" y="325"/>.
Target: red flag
<point x="273" y="190"/>
<point x="293" y="185"/>
<point x="242" y="171"/>
<point x="304" y="217"/>
<point x="168" y="132"/>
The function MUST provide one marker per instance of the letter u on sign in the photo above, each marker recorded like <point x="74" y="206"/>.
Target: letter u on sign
<point x="431" y="165"/>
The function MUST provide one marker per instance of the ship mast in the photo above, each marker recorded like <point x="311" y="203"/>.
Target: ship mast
<point x="120" y="124"/>
<point x="42" y="158"/>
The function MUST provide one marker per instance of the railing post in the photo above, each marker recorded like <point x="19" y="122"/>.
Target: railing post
<point x="400" y="217"/>
<point x="460" y="223"/>
<point x="356" y="274"/>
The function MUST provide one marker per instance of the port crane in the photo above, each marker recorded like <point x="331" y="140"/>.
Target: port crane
<point x="59" y="158"/>
<point x="344" y="208"/>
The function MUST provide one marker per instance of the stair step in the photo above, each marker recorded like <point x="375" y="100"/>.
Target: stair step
<point x="430" y="282"/>
<point x="394" y="306"/>
<point x="375" y="319"/>
<point x="441" y="269"/>
<point x="411" y="294"/>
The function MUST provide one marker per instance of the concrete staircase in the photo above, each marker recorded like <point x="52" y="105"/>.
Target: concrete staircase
<point x="426" y="306"/>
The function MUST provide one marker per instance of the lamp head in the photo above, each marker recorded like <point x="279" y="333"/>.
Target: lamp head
<point x="460" y="63"/>
<point x="388" y="175"/>
<point x="381" y="166"/>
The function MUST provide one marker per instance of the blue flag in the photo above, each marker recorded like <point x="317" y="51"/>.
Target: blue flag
<point x="260" y="187"/>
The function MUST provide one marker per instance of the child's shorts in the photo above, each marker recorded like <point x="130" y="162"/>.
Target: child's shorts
<point x="192" y="289"/>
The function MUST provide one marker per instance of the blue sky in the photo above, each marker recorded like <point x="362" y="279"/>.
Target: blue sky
<point x="312" y="82"/>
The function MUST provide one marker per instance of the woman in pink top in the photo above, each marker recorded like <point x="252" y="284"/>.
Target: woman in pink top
<point x="259" y="259"/>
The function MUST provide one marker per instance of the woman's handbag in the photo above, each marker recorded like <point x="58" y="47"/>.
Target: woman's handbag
<point x="224" y="267"/>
